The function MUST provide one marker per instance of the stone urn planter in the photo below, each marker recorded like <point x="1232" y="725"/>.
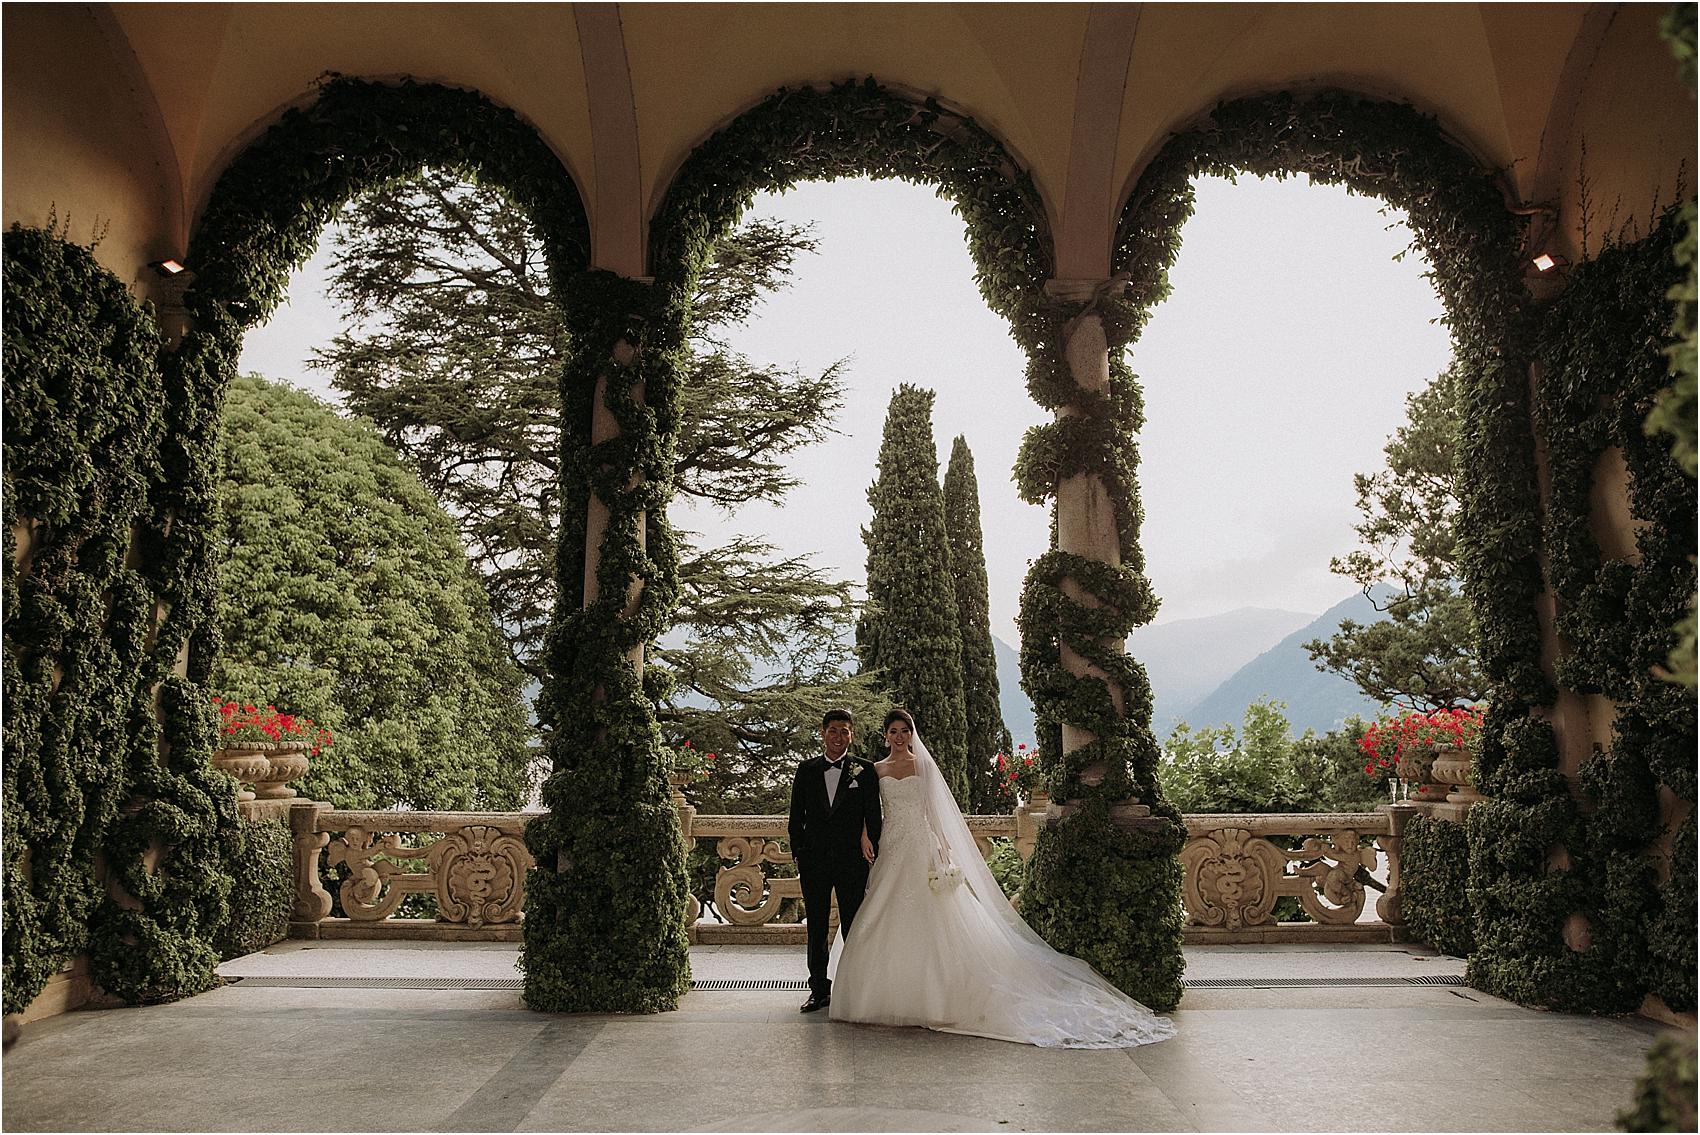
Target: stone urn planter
<point x="248" y="761"/>
<point x="286" y="762"/>
<point x="1417" y="768"/>
<point x="1455" y="769"/>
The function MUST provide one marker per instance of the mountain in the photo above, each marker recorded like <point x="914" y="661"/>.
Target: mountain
<point x="1012" y="702"/>
<point x="1315" y="700"/>
<point x="1187" y="659"/>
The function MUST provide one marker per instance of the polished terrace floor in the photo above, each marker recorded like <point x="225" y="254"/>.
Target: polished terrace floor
<point x="342" y="1036"/>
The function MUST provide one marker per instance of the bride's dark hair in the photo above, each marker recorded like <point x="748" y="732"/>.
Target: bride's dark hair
<point x="898" y="715"/>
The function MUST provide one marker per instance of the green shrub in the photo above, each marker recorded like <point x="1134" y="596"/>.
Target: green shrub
<point x="1008" y="868"/>
<point x="1665" y="1093"/>
<point x="1434" y="882"/>
<point x="262" y="891"/>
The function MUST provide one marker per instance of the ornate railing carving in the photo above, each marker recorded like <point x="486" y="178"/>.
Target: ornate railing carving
<point x="1236" y="868"/>
<point x="1235" y="871"/>
<point x="475" y="868"/>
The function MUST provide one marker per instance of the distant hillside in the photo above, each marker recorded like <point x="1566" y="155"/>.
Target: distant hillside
<point x="1187" y="659"/>
<point x="1315" y="700"/>
<point x="1017" y="710"/>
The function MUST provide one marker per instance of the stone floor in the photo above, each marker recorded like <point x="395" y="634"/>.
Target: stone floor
<point x="298" y="1055"/>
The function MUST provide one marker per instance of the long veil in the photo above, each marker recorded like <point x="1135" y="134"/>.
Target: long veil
<point x="1068" y="993"/>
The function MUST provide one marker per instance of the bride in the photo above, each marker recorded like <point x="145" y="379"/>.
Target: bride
<point x="938" y="945"/>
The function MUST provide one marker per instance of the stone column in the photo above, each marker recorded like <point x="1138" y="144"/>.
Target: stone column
<point x="1086" y="516"/>
<point x="604" y="426"/>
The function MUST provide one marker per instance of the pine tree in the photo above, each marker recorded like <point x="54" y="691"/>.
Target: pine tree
<point x="986" y="735"/>
<point x="453" y="347"/>
<point x="1424" y="653"/>
<point x="908" y="633"/>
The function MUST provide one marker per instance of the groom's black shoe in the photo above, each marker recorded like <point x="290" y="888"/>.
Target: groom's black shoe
<point x="817" y="1001"/>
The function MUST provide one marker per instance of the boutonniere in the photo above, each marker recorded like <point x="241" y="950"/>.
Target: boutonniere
<point x="858" y="770"/>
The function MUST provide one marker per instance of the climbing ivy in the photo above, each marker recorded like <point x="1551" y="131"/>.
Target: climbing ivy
<point x="1471" y="241"/>
<point x="262" y="892"/>
<point x="1602" y="366"/>
<point x="1118" y="914"/>
<point x="263" y="220"/>
<point x="115" y="828"/>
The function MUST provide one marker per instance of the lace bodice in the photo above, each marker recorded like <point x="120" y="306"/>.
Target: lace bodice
<point x="903" y="816"/>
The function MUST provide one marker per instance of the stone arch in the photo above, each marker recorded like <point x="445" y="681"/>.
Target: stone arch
<point x="858" y="129"/>
<point x="1082" y="681"/>
<point x="272" y="200"/>
<point x="262" y="220"/>
<point x="1474" y="241"/>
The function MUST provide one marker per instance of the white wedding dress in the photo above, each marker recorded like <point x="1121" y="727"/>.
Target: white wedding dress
<point x="951" y="954"/>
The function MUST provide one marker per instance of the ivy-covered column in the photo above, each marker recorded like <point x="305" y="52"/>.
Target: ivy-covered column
<point x="1103" y="882"/>
<point x="604" y="921"/>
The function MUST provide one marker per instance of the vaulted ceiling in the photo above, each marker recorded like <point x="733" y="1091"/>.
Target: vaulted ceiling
<point x="161" y="96"/>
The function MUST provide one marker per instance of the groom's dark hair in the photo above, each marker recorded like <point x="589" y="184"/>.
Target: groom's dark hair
<point x="837" y="715"/>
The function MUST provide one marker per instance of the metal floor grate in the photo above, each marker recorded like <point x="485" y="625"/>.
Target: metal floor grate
<point x="1318" y="982"/>
<point x="731" y="985"/>
<point x="382" y="982"/>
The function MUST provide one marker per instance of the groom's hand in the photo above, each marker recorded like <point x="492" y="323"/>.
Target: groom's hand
<point x="867" y="848"/>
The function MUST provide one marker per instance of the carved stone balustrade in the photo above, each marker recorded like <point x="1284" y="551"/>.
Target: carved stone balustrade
<point x="748" y="894"/>
<point x="1237" y="866"/>
<point x="475" y="868"/>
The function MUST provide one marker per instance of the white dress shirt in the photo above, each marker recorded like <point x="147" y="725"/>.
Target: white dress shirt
<point x="834" y="774"/>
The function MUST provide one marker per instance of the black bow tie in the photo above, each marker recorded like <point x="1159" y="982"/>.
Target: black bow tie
<point x="835" y="764"/>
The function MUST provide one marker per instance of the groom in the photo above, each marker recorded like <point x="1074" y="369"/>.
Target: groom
<point x="832" y="798"/>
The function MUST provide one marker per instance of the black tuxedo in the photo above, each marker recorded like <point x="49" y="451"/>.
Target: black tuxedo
<point x="826" y="841"/>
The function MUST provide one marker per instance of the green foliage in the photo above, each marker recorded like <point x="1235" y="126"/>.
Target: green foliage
<point x="1213" y="771"/>
<point x="860" y="129"/>
<point x="604" y="911"/>
<point x="1264" y="769"/>
<point x="908" y="636"/>
<point x="987" y="735"/>
<point x="1674" y="410"/>
<point x="1423" y="654"/>
<point x="344" y="595"/>
<point x="96" y="781"/>
<point x="1434" y="877"/>
<point x="604" y="920"/>
<point x="1331" y="767"/>
<point x="1472" y="244"/>
<point x="1677" y="28"/>
<point x="1008" y="868"/>
<point x="1602" y="366"/>
<point x="262" y="890"/>
<point x="1665" y="1093"/>
<point x="1671" y="934"/>
<point x="1138" y="873"/>
<point x="455" y="349"/>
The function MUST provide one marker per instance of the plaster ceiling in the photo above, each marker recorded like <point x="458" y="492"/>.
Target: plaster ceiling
<point x="221" y="72"/>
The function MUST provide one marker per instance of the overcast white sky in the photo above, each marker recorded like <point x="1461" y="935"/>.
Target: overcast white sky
<point x="1273" y="373"/>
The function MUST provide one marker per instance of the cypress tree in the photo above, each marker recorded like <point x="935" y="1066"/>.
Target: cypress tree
<point x="986" y="736"/>
<point x="908" y="632"/>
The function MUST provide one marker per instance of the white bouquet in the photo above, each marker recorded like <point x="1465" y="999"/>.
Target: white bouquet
<point x="943" y="875"/>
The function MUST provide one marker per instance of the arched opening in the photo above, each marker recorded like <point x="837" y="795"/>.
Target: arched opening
<point x="264" y="219"/>
<point x="603" y="746"/>
<point x="1554" y="909"/>
<point x="1298" y="323"/>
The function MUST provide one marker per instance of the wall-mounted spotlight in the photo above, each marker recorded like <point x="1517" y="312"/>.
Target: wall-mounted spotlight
<point x="1547" y="261"/>
<point x="167" y="268"/>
